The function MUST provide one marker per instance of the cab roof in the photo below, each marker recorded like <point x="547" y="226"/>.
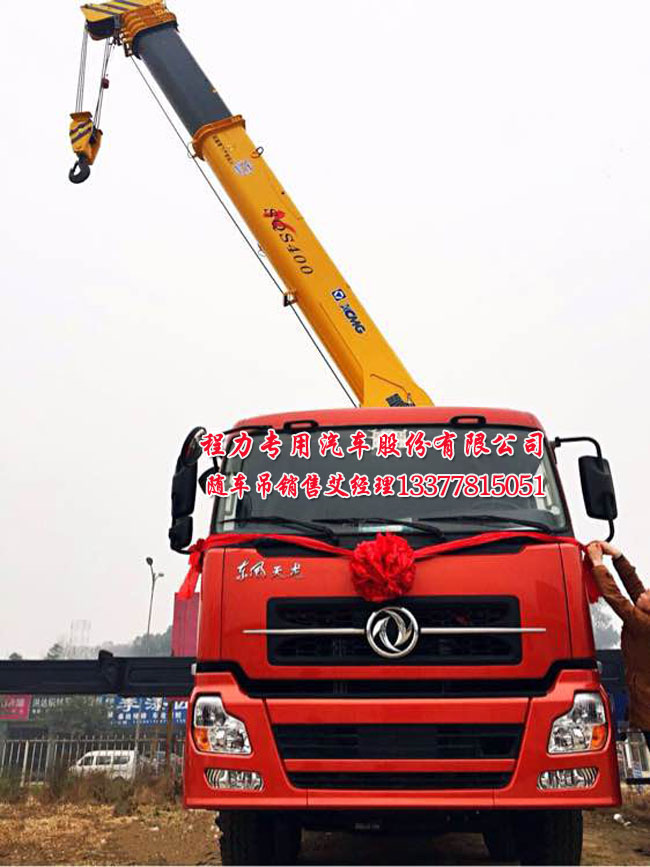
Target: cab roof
<point x="406" y="415"/>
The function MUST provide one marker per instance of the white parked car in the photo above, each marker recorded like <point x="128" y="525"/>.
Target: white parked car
<point x="115" y="763"/>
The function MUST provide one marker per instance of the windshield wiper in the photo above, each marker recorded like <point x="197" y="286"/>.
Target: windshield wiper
<point x="420" y="526"/>
<point x="489" y="519"/>
<point x="289" y="522"/>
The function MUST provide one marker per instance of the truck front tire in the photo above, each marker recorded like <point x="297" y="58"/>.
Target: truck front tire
<point x="548" y="836"/>
<point x="499" y="838"/>
<point x="258" y="837"/>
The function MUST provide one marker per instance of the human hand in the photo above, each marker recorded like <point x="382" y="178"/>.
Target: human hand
<point x="607" y="548"/>
<point x="595" y="553"/>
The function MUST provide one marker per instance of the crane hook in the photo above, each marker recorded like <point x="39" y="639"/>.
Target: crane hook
<point x="80" y="172"/>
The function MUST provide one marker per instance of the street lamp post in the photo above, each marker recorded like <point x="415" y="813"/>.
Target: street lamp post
<point x="154" y="577"/>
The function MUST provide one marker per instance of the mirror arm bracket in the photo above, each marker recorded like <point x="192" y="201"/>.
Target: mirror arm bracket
<point x="558" y="441"/>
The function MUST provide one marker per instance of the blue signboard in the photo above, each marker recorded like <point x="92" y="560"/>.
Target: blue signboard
<point x="120" y="711"/>
<point x="149" y="711"/>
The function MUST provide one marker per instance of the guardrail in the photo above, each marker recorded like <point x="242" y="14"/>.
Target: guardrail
<point x="107" y="675"/>
<point x="32" y="761"/>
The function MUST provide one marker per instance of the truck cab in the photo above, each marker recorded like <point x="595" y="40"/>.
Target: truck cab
<point x="473" y="700"/>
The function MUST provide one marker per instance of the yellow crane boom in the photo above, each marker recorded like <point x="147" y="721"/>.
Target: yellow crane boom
<point x="148" y="30"/>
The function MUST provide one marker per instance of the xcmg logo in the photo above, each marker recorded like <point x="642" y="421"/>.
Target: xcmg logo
<point x="340" y="297"/>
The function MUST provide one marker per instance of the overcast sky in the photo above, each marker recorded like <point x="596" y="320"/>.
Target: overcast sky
<point x="480" y="173"/>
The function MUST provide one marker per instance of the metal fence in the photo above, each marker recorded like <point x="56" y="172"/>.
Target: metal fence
<point x="32" y="761"/>
<point x="634" y="759"/>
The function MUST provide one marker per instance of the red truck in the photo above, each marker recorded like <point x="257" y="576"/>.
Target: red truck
<point x="472" y="702"/>
<point x="470" y="698"/>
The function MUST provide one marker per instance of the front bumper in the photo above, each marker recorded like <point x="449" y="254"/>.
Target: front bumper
<point x="521" y="791"/>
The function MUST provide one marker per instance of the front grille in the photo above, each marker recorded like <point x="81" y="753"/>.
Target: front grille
<point x="433" y="612"/>
<point x="398" y="741"/>
<point x="403" y="781"/>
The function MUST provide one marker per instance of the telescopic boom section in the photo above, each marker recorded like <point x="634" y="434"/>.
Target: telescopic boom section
<point x="149" y="31"/>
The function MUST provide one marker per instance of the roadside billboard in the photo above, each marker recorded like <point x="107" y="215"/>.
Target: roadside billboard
<point x="150" y="711"/>
<point x="119" y="711"/>
<point x="15" y="708"/>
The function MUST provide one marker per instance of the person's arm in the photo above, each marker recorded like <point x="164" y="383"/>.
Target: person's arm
<point x="615" y="599"/>
<point x="633" y="617"/>
<point x="628" y="576"/>
<point x="625" y="569"/>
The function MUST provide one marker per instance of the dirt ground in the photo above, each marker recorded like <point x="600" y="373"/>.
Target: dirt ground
<point x="34" y="833"/>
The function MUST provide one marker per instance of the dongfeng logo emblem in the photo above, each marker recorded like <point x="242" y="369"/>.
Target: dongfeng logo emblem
<point x="392" y="632"/>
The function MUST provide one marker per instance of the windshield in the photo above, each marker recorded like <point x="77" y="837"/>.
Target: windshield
<point x="507" y="488"/>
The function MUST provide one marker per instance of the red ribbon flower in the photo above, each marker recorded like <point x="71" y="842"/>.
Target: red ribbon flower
<point x="384" y="568"/>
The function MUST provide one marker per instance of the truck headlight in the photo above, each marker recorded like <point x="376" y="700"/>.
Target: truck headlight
<point x="216" y="731"/>
<point x="583" y="728"/>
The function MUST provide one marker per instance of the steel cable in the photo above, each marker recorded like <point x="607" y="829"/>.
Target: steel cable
<point x="243" y="234"/>
<point x="81" y="81"/>
<point x="108" y="48"/>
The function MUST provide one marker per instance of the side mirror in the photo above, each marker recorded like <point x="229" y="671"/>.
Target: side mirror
<point x="597" y="483"/>
<point x="598" y="488"/>
<point x="191" y="451"/>
<point x="184" y="490"/>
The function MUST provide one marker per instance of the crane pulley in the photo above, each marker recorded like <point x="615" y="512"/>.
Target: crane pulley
<point x="117" y="22"/>
<point x="85" y="134"/>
